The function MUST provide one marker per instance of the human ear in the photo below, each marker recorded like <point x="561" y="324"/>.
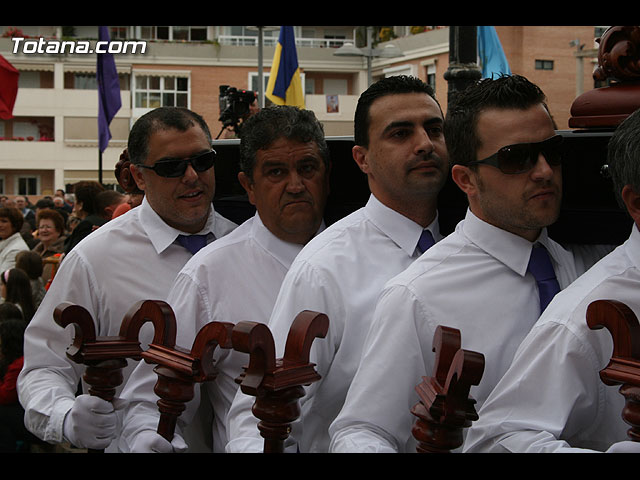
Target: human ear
<point x="136" y="173"/>
<point x="360" y="156"/>
<point x="247" y="184"/>
<point x="631" y="200"/>
<point x="465" y="178"/>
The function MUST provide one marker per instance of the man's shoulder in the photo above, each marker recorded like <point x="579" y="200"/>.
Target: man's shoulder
<point x="334" y="239"/>
<point x="613" y="277"/>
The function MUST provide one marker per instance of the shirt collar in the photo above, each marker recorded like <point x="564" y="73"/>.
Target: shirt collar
<point x="632" y="246"/>
<point x="402" y="230"/>
<point x="159" y="233"/>
<point x="510" y="249"/>
<point x="284" y="252"/>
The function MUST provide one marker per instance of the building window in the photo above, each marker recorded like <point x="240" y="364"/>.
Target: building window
<point x="28" y="185"/>
<point x="431" y="76"/>
<point x="156" y="91"/>
<point x="118" y="33"/>
<point x="186" y="33"/>
<point x="544" y="64"/>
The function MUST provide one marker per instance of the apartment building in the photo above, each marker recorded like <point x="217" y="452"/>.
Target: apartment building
<point x="52" y="140"/>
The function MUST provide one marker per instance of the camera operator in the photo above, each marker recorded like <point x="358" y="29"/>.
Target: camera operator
<point x="236" y="106"/>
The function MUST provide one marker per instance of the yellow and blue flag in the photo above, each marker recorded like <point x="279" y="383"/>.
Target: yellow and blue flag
<point x="285" y="85"/>
<point x="490" y="53"/>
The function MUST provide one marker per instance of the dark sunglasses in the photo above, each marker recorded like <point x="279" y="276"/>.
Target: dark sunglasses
<point x="176" y="168"/>
<point x="522" y="157"/>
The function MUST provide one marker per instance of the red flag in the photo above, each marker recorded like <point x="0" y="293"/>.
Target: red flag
<point x="8" y="88"/>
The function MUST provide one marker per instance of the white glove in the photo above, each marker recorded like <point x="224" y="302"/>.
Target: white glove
<point x="91" y="422"/>
<point x="626" y="446"/>
<point x="149" y="441"/>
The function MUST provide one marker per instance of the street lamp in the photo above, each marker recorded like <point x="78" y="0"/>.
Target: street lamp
<point x="350" y="50"/>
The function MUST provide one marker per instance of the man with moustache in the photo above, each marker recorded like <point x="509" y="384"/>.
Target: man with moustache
<point x="133" y="257"/>
<point x="284" y="162"/>
<point x="400" y="147"/>
<point x="501" y="139"/>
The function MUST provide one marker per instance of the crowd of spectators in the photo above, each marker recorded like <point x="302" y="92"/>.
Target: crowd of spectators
<point x="33" y="240"/>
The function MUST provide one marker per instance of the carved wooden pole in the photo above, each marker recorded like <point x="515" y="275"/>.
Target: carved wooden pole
<point x="104" y="357"/>
<point x="445" y="407"/>
<point x="179" y="369"/>
<point x="277" y="384"/>
<point x="624" y="367"/>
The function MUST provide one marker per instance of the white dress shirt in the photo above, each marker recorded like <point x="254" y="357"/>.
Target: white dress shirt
<point x="552" y="398"/>
<point x="131" y="258"/>
<point x="236" y="278"/>
<point x="474" y="280"/>
<point x="339" y="273"/>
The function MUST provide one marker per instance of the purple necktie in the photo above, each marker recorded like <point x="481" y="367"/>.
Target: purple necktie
<point x="426" y="241"/>
<point x="193" y="243"/>
<point x="542" y="270"/>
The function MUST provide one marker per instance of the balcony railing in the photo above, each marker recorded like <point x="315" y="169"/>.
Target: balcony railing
<point x="247" y="40"/>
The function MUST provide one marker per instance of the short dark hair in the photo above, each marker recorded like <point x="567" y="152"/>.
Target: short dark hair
<point x="53" y="215"/>
<point x="86" y="192"/>
<point x="14" y="216"/>
<point x="106" y="199"/>
<point x="398" y="84"/>
<point x="46" y="202"/>
<point x="30" y="263"/>
<point x="504" y="92"/>
<point x="273" y="123"/>
<point x="163" y="118"/>
<point x="623" y="156"/>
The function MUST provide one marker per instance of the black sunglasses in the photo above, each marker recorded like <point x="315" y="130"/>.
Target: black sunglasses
<point x="176" y="168"/>
<point x="522" y="157"/>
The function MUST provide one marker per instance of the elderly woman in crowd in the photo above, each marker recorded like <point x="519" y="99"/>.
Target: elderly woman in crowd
<point x="51" y="229"/>
<point x="11" y="242"/>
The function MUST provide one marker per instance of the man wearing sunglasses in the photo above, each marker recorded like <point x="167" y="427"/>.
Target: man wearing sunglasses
<point x="501" y="139"/>
<point x="552" y="398"/>
<point x="131" y="258"/>
<point x="284" y="161"/>
<point x="400" y="147"/>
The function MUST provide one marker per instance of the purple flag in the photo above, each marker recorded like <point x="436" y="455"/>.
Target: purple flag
<point x="109" y="101"/>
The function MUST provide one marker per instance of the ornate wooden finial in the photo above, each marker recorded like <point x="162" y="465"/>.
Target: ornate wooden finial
<point x="179" y="369"/>
<point x="277" y="384"/>
<point x="445" y="407"/>
<point x="104" y="356"/>
<point x="618" y="61"/>
<point x="624" y="367"/>
<point x="619" y="54"/>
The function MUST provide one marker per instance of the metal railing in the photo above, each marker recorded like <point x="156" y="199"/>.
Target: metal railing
<point x="248" y="40"/>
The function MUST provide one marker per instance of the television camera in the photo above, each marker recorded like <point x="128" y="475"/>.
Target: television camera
<point x="234" y="107"/>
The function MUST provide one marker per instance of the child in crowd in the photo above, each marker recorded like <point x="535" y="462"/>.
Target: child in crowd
<point x="31" y="263"/>
<point x="15" y="288"/>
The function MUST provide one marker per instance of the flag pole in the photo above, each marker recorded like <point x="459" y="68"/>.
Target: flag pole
<point x="109" y="101"/>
